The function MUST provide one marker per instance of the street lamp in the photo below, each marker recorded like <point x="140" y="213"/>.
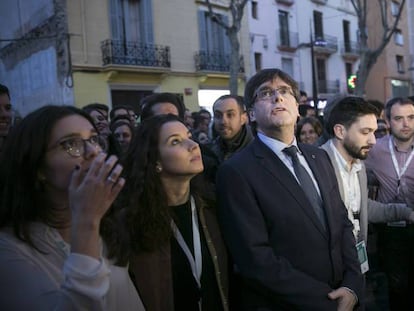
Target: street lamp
<point x="311" y="45"/>
<point x="314" y="81"/>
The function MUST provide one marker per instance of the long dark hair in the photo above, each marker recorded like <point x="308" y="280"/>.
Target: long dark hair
<point x="143" y="202"/>
<point x="22" y="199"/>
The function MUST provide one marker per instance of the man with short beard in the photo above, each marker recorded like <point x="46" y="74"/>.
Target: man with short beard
<point x="351" y="125"/>
<point x="230" y="124"/>
<point x="391" y="169"/>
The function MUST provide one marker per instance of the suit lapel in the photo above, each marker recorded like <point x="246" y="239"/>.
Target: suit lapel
<point x="271" y="162"/>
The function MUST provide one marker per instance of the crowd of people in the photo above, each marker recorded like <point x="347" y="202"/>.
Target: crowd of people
<point x="260" y="205"/>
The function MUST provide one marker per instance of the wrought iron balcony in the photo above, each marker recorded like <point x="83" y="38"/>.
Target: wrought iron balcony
<point x="287" y="41"/>
<point x="328" y="87"/>
<point x="325" y="44"/>
<point x="215" y="61"/>
<point x="286" y="2"/>
<point x="135" y="53"/>
<point x="350" y="50"/>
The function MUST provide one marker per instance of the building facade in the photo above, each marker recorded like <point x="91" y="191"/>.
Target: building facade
<point x="283" y="34"/>
<point x="392" y="74"/>
<point x="115" y="51"/>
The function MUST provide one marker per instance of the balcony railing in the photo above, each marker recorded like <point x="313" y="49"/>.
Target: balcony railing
<point x="287" y="40"/>
<point x="350" y="49"/>
<point x="328" y="87"/>
<point x="135" y="53"/>
<point x="286" y="2"/>
<point x="215" y="61"/>
<point x="325" y="44"/>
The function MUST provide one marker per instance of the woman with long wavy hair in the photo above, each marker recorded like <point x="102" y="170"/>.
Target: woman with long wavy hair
<point x="172" y="241"/>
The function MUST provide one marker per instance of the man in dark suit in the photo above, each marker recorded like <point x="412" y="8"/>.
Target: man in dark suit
<point x="293" y="248"/>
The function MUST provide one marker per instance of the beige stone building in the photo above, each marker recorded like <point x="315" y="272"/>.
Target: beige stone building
<point x="117" y="51"/>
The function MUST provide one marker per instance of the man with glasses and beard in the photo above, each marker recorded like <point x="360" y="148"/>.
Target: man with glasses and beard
<point x="390" y="168"/>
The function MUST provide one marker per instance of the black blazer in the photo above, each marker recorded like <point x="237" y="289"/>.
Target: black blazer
<point x="284" y="256"/>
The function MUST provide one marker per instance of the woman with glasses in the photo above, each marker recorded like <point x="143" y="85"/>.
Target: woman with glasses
<point x="56" y="185"/>
<point x="172" y="240"/>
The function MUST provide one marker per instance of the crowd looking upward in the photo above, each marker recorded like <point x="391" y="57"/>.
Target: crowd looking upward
<point x="261" y="203"/>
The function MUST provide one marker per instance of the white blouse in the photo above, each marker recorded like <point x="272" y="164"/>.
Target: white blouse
<point x="52" y="278"/>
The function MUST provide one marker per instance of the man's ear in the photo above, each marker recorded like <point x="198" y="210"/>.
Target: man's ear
<point x="244" y="118"/>
<point x="339" y="131"/>
<point x="252" y="116"/>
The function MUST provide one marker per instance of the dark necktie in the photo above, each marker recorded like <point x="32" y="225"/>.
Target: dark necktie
<point x="307" y="184"/>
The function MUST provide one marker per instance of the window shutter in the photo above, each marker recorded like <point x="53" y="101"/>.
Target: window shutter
<point x="226" y="39"/>
<point x="202" y="30"/>
<point x="147" y="32"/>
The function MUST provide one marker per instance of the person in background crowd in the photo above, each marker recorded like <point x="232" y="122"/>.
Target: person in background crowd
<point x="122" y="128"/>
<point x="56" y="186"/>
<point x="298" y="258"/>
<point x="390" y="168"/>
<point x="5" y="114"/>
<point x="380" y="107"/>
<point x="382" y="129"/>
<point x="303" y="99"/>
<point x="161" y="103"/>
<point x="306" y="111"/>
<point x="230" y="124"/>
<point x="124" y="110"/>
<point x="206" y="114"/>
<point x="201" y="138"/>
<point x="201" y="124"/>
<point x="172" y="240"/>
<point x="99" y="114"/>
<point x="188" y="119"/>
<point x="308" y="130"/>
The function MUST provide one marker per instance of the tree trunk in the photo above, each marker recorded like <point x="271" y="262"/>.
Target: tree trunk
<point x="234" y="62"/>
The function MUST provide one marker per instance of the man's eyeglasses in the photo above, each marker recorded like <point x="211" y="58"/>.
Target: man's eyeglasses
<point x="76" y="146"/>
<point x="268" y="93"/>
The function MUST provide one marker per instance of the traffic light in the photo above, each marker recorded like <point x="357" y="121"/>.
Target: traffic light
<point x="352" y="81"/>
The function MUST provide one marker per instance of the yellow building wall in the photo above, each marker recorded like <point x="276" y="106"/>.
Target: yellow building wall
<point x="89" y="88"/>
<point x="175" y="25"/>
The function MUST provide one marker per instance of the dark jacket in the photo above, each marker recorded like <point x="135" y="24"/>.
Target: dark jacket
<point x="225" y="150"/>
<point x="286" y="259"/>
<point x="151" y="272"/>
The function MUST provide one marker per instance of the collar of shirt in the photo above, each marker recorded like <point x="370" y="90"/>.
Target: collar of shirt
<point x="396" y="147"/>
<point x="277" y="147"/>
<point x="343" y="165"/>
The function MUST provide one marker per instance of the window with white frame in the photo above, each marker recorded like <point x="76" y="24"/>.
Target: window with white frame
<point x="254" y="10"/>
<point x="287" y="66"/>
<point x="400" y="63"/>
<point x="258" y="61"/>
<point x="395" y="7"/>
<point x="398" y="37"/>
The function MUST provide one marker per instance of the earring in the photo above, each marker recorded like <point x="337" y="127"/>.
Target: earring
<point x="158" y="169"/>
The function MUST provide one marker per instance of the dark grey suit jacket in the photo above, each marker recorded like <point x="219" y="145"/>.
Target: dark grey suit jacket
<point x="285" y="258"/>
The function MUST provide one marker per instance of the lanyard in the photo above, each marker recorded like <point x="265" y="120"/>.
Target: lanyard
<point x="395" y="163"/>
<point x="195" y="263"/>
